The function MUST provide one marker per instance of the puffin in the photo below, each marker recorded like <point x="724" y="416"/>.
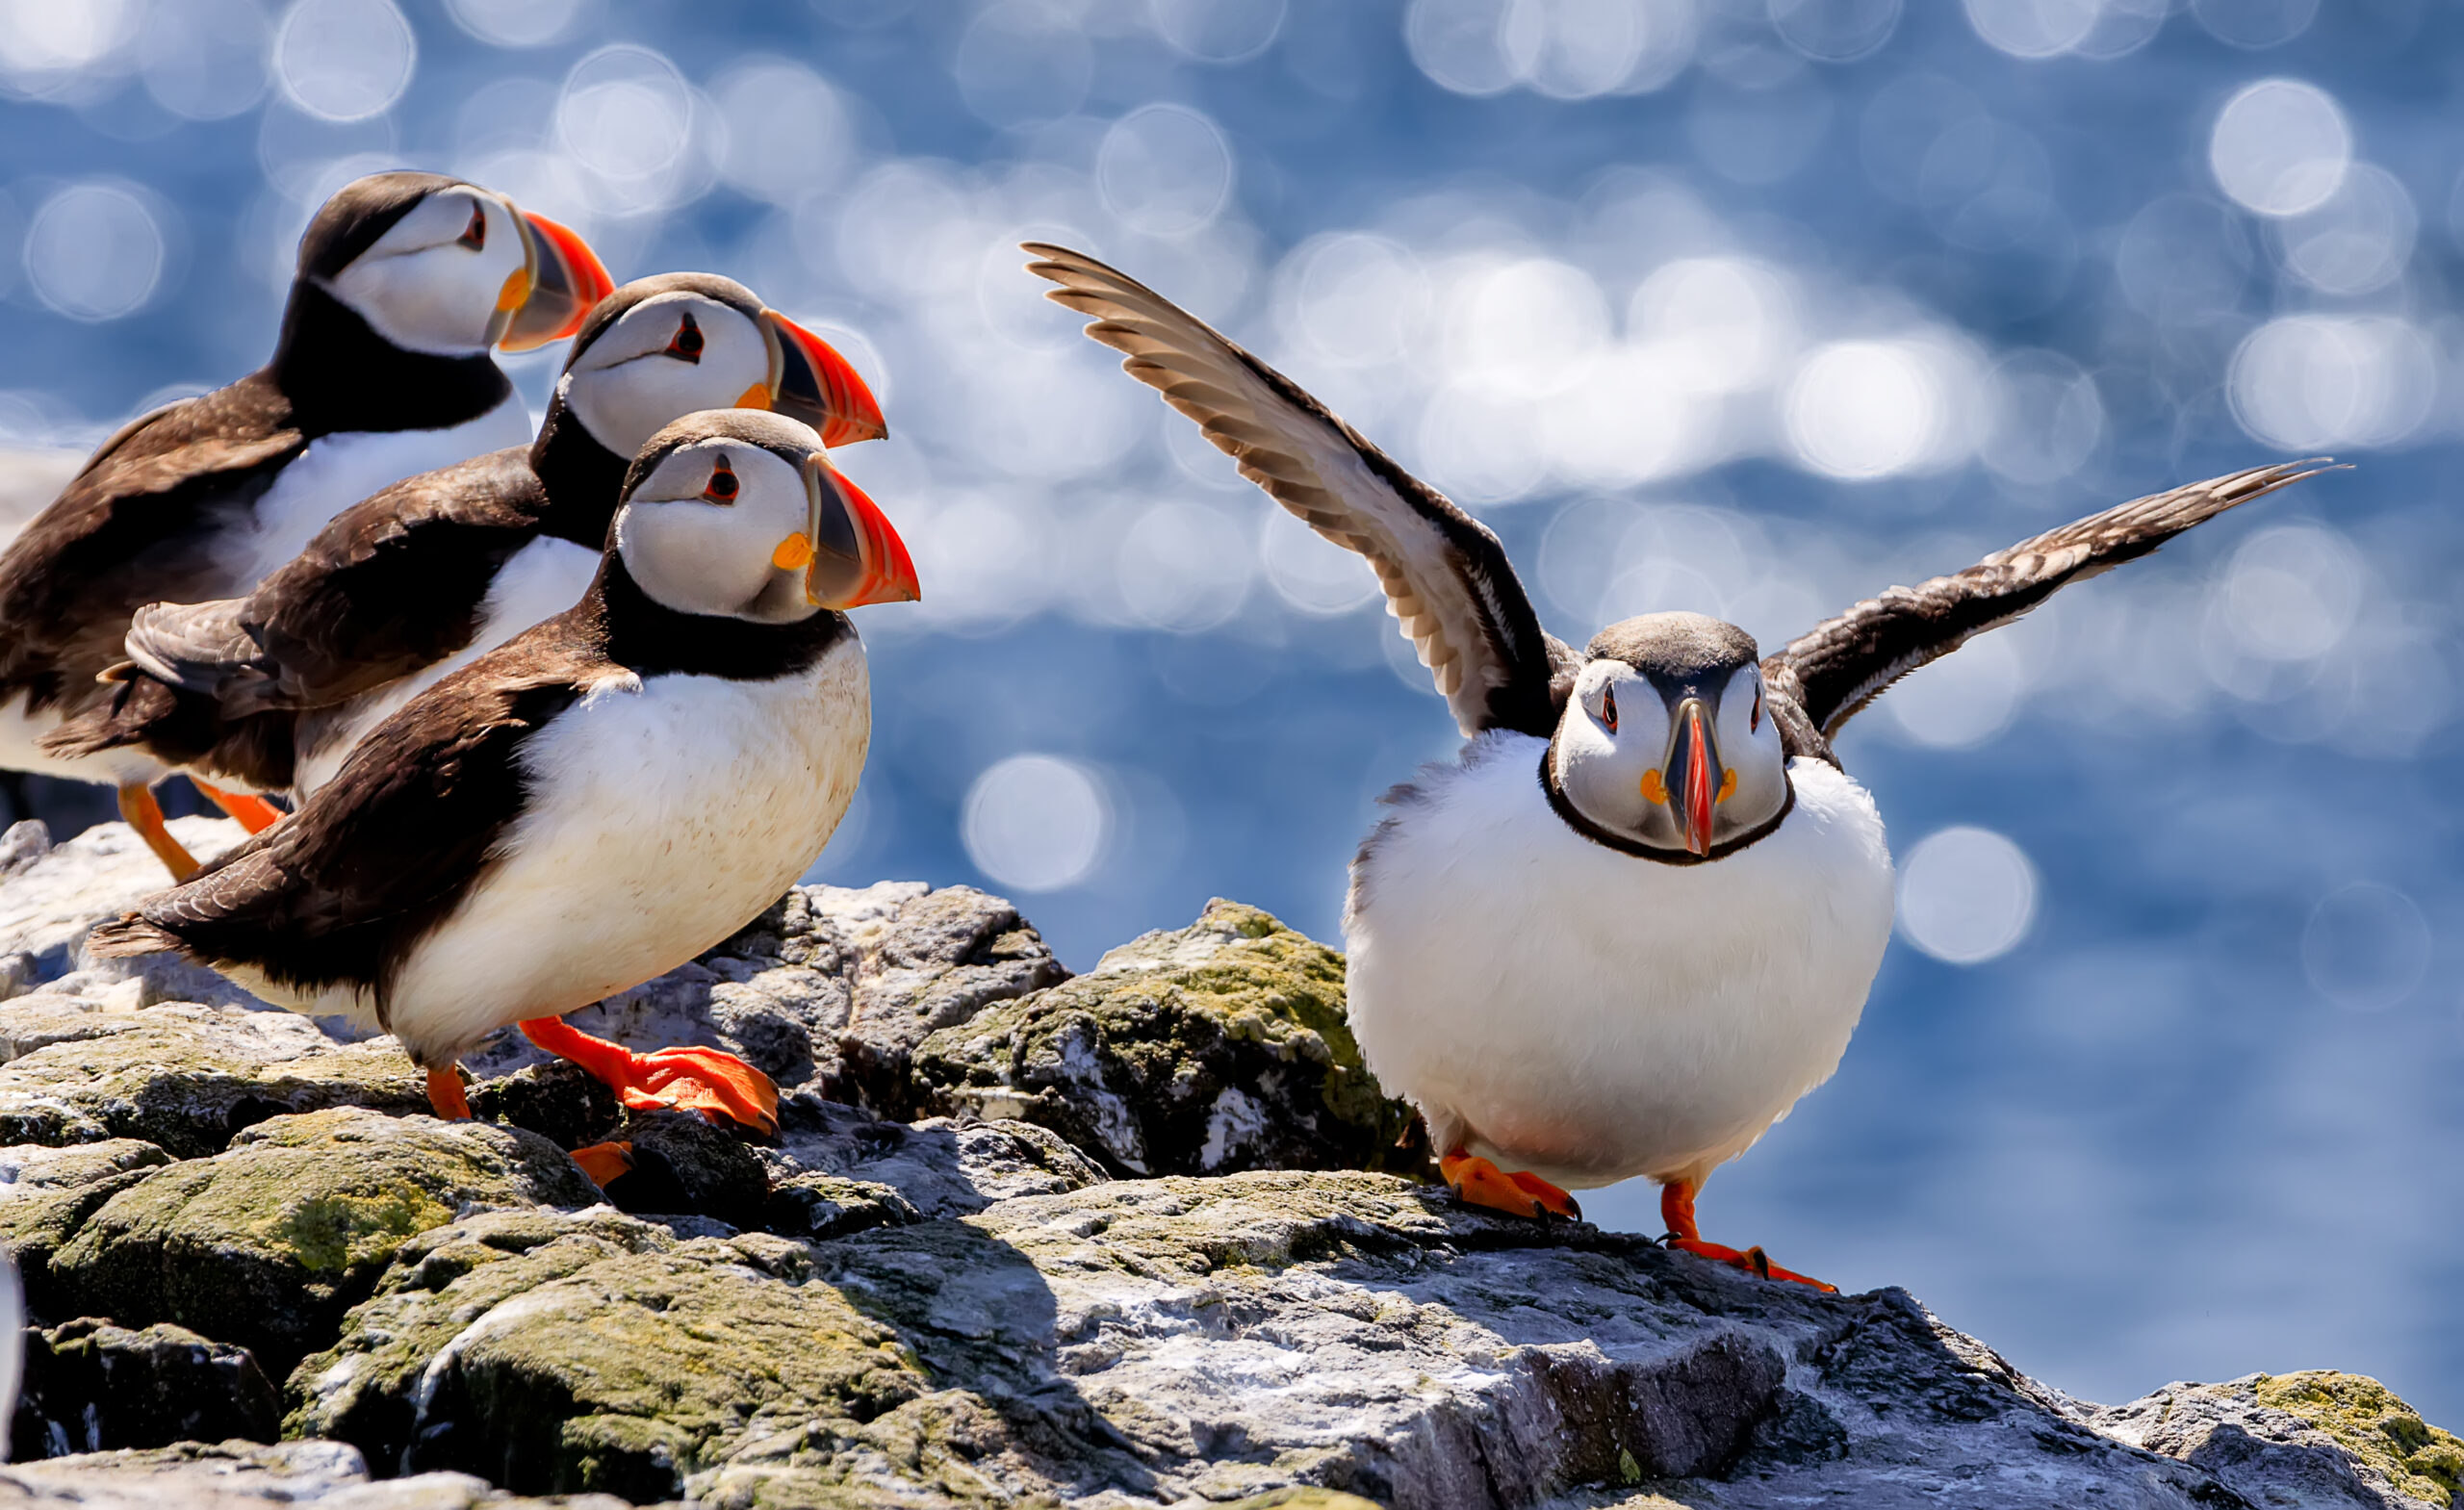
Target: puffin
<point x="593" y="803"/>
<point x="405" y="283"/>
<point x="271" y="691"/>
<point x="1636" y="919"/>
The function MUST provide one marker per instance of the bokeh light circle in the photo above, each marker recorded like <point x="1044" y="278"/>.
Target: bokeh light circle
<point x="1460" y="45"/>
<point x="2306" y="382"/>
<point x="1865" y="409"/>
<point x="205" y="60"/>
<point x="2359" y="239"/>
<point x="2034" y="28"/>
<point x="345" y="60"/>
<point x="1184" y="568"/>
<point x="2047" y="418"/>
<point x="515" y="23"/>
<point x="2292" y="593"/>
<point x="2280" y="146"/>
<point x="2366" y="946"/>
<point x="2255" y="23"/>
<point x="1023" y="63"/>
<point x="1217" y="31"/>
<point x="787" y="131"/>
<point x="627" y="117"/>
<point x="1967" y="895"/>
<point x="95" y="251"/>
<point x="1835" y="31"/>
<point x="1036" y="823"/>
<point x="1310" y="573"/>
<point x="1964" y="700"/>
<point x="1164" y="169"/>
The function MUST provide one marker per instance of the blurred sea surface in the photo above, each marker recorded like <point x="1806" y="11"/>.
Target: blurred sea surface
<point x="1753" y="307"/>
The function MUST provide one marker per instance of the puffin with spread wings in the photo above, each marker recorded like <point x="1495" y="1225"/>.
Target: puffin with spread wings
<point x="1638" y="917"/>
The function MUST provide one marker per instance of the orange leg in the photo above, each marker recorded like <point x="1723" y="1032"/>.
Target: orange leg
<point x="144" y="814"/>
<point x="445" y="1093"/>
<point x="255" y="813"/>
<point x="1676" y="1209"/>
<point x="1478" y="1182"/>
<point x="707" y="1080"/>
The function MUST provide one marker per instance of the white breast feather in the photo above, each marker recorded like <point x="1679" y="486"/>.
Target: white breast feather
<point x="662" y="816"/>
<point x="537" y="582"/>
<point x="336" y="471"/>
<point x="1591" y="1016"/>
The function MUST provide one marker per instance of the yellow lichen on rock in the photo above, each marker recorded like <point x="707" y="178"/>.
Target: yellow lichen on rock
<point x="2371" y="1421"/>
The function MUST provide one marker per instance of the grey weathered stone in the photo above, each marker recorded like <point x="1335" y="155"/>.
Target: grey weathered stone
<point x="92" y="1387"/>
<point x="23" y="844"/>
<point x="237" y="1476"/>
<point x="945" y="1166"/>
<point x="1217" y="1047"/>
<point x="2322" y="1441"/>
<point x="56" y="894"/>
<point x="832" y="984"/>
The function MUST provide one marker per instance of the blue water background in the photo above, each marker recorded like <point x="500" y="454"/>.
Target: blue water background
<point x="2203" y="1119"/>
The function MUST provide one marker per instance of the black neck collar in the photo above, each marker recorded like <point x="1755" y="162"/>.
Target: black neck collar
<point x="341" y="376"/>
<point x="1575" y="820"/>
<point x="583" y="479"/>
<point x="648" y="638"/>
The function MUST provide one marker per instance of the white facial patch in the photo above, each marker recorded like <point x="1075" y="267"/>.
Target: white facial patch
<point x="423" y="286"/>
<point x="649" y="368"/>
<point x="701" y="553"/>
<point x="1614" y="732"/>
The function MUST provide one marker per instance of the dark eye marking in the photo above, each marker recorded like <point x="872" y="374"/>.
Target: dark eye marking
<point x="687" y="345"/>
<point x="722" y="486"/>
<point x="476" y="234"/>
<point x="1608" y="708"/>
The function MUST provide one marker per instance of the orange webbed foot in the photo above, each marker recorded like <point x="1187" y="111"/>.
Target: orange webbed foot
<point x="709" y="1080"/>
<point x="1676" y="1209"/>
<point x="1479" y="1182"/>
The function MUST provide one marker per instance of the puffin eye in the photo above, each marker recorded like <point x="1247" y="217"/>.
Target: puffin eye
<point x="476" y="234"/>
<point x="1754" y="720"/>
<point x="687" y="345"/>
<point x="1608" y="708"/>
<point x="722" y="486"/>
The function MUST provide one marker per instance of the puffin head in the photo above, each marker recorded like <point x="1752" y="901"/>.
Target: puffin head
<point x="738" y="513"/>
<point x="438" y="265"/>
<point x="1665" y="748"/>
<point x="659" y="348"/>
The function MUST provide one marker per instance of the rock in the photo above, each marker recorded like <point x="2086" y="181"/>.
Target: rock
<point x="596" y="1352"/>
<point x="944" y="1167"/>
<point x="23" y="844"/>
<point x="187" y="1078"/>
<point x="826" y="1206"/>
<point x="684" y="1163"/>
<point x="55" y="895"/>
<point x="30" y="1168"/>
<point x="239" y="1477"/>
<point x="2315" y="1438"/>
<point x="1271" y="1338"/>
<point x="829" y="985"/>
<point x="91" y="1387"/>
<point x="269" y="1242"/>
<point x="1216" y="1048"/>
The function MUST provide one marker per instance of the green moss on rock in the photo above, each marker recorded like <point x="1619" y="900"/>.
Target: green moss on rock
<point x="1218" y="1047"/>
<point x="267" y="1243"/>
<point x="596" y="1352"/>
<point x="2369" y="1422"/>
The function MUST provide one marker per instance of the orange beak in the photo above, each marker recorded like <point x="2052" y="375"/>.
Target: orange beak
<point x="1698" y="783"/>
<point x="566" y="279"/>
<point x="811" y="381"/>
<point x="858" y="559"/>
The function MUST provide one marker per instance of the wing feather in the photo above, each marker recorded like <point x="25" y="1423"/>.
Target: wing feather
<point x="1446" y="578"/>
<point x="1839" y="666"/>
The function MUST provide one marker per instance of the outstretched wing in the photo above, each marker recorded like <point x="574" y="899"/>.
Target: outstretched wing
<point x="1445" y="577"/>
<point x="1841" y="666"/>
